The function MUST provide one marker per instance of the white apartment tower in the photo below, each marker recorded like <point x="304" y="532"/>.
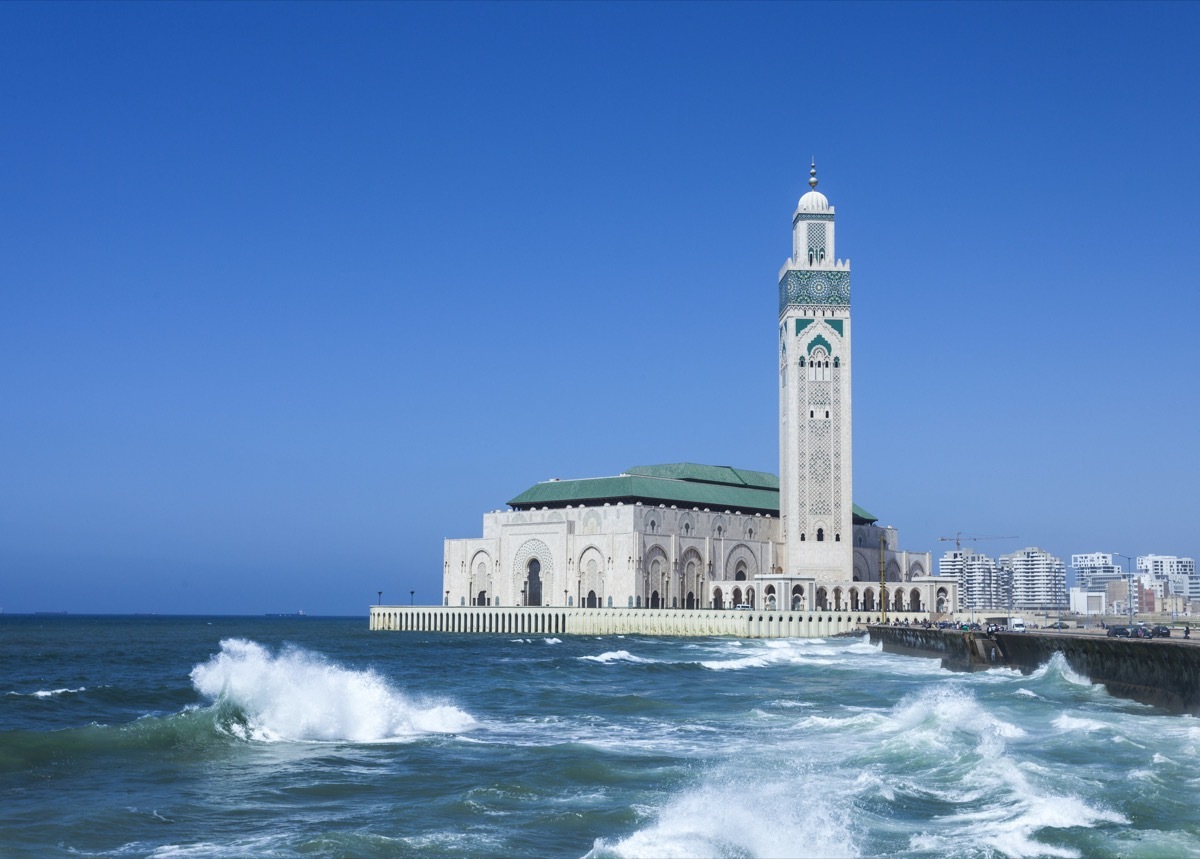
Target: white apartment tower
<point x="814" y="397"/>
<point x="1039" y="578"/>
<point x="982" y="584"/>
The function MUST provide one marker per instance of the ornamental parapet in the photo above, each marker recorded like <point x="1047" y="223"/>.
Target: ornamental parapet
<point x="549" y="620"/>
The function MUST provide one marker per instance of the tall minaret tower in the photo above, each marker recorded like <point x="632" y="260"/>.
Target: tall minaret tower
<point x="814" y="397"/>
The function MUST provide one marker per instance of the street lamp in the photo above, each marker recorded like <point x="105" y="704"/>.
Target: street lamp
<point x="1128" y="588"/>
<point x="380" y="597"/>
<point x="410" y="597"/>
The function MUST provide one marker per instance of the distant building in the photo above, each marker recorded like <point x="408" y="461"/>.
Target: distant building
<point x="1177" y="575"/>
<point x="982" y="584"/>
<point x="1039" y="579"/>
<point x="1094" y="571"/>
<point x="1088" y="602"/>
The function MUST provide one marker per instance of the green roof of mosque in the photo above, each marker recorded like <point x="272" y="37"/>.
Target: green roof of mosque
<point x="717" y="487"/>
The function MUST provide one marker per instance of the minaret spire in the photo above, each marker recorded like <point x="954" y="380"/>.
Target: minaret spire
<point x="812" y="175"/>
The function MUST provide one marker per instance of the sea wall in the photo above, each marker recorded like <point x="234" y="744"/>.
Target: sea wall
<point x="1162" y="672"/>
<point x="549" y="620"/>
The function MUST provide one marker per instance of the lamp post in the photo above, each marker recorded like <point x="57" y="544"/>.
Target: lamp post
<point x="1058" y="599"/>
<point x="411" y="594"/>
<point x="1128" y="588"/>
<point x="380" y="597"/>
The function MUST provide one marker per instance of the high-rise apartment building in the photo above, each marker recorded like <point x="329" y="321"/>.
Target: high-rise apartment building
<point x="1039" y="579"/>
<point x="982" y="584"/>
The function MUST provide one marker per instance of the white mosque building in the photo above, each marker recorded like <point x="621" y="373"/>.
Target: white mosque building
<point x="703" y="537"/>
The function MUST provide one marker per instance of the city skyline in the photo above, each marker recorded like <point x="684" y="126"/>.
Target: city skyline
<point x="294" y="293"/>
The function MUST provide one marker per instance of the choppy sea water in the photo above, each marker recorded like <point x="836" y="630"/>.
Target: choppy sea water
<point x="198" y="737"/>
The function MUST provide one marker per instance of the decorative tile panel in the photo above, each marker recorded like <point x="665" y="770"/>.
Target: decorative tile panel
<point x="814" y="287"/>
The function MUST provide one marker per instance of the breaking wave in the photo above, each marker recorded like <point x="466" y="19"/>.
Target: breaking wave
<point x="301" y="696"/>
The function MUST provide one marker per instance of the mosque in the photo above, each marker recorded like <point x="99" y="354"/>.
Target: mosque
<point x="704" y="537"/>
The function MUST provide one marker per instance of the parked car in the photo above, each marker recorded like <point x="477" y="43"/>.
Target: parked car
<point x="1061" y="624"/>
<point x="1142" y="632"/>
<point x="1118" y="632"/>
<point x="1160" y="632"/>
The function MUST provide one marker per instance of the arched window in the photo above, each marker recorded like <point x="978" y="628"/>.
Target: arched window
<point x="720" y="532"/>
<point x="653" y="526"/>
<point x="749" y="533"/>
<point x="801" y="537"/>
<point x="801" y="362"/>
<point x="820" y="535"/>
<point x="687" y="529"/>
<point x="837" y="538"/>
<point x="837" y="362"/>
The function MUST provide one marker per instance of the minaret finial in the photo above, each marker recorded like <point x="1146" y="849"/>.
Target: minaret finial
<point x="812" y="175"/>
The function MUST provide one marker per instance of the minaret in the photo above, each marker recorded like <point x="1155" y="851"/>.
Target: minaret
<point x="814" y="397"/>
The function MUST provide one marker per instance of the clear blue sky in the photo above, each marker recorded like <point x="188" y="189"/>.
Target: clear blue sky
<point x="290" y="293"/>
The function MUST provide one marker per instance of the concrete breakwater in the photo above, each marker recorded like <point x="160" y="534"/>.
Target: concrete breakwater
<point x="1162" y="672"/>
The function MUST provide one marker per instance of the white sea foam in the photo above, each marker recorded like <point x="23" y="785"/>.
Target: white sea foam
<point x="616" y="656"/>
<point x="552" y="640"/>
<point x="1071" y="723"/>
<point x="301" y="696"/>
<point x="48" y="693"/>
<point x="731" y="814"/>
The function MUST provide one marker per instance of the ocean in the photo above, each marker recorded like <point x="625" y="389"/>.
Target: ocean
<point x="305" y="736"/>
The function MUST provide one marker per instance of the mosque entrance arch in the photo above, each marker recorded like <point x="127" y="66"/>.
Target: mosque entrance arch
<point x="533" y="582"/>
<point x="737" y="596"/>
<point x="718" y="598"/>
<point x="655" y="601"/>
<point x="690" y="602"/>
<point x="482" y="599"/>
<point x="592" y="601"/>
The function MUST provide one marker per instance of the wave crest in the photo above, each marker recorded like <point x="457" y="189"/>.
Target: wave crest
<point x="301" y="696"/>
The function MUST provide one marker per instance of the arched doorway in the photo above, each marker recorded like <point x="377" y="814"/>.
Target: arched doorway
<point x="797" y="598"/>
<point x="942" y="595"/>
<point x="914" y="600"/>
<point x="854" y="603"/>
<point x="655" y="602"/>
<point x="737" y="597"/>
<point x="592" y="602"/>
<point x="837" y="599"/>
<point x="869" y="599"/>
<point x="482" y="598"/>
<point x="898" y="602"/>
<point x="718" y="598"/>
<point x="533" y="582"/>
<point x="690" y="602"/>
<point x="822" y="599"/>
<point x="750" y="596"/>
<point x="769" y="598"/>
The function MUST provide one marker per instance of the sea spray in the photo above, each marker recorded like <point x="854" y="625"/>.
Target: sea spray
<point x="301" y="696"/>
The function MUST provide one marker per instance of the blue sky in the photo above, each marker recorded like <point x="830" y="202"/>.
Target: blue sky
<point x="290" y="293"/>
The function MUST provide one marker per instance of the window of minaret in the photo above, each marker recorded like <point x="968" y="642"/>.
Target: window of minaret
<point x="820" y="535"/>
<point x="816" y="243"/>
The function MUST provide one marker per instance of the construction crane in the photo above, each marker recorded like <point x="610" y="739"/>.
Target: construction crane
<point x="958" y="538"/>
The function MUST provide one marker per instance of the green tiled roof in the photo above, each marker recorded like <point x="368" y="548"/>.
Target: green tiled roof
<point x="709" y="474"/>
<point x="684" y="484"/>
